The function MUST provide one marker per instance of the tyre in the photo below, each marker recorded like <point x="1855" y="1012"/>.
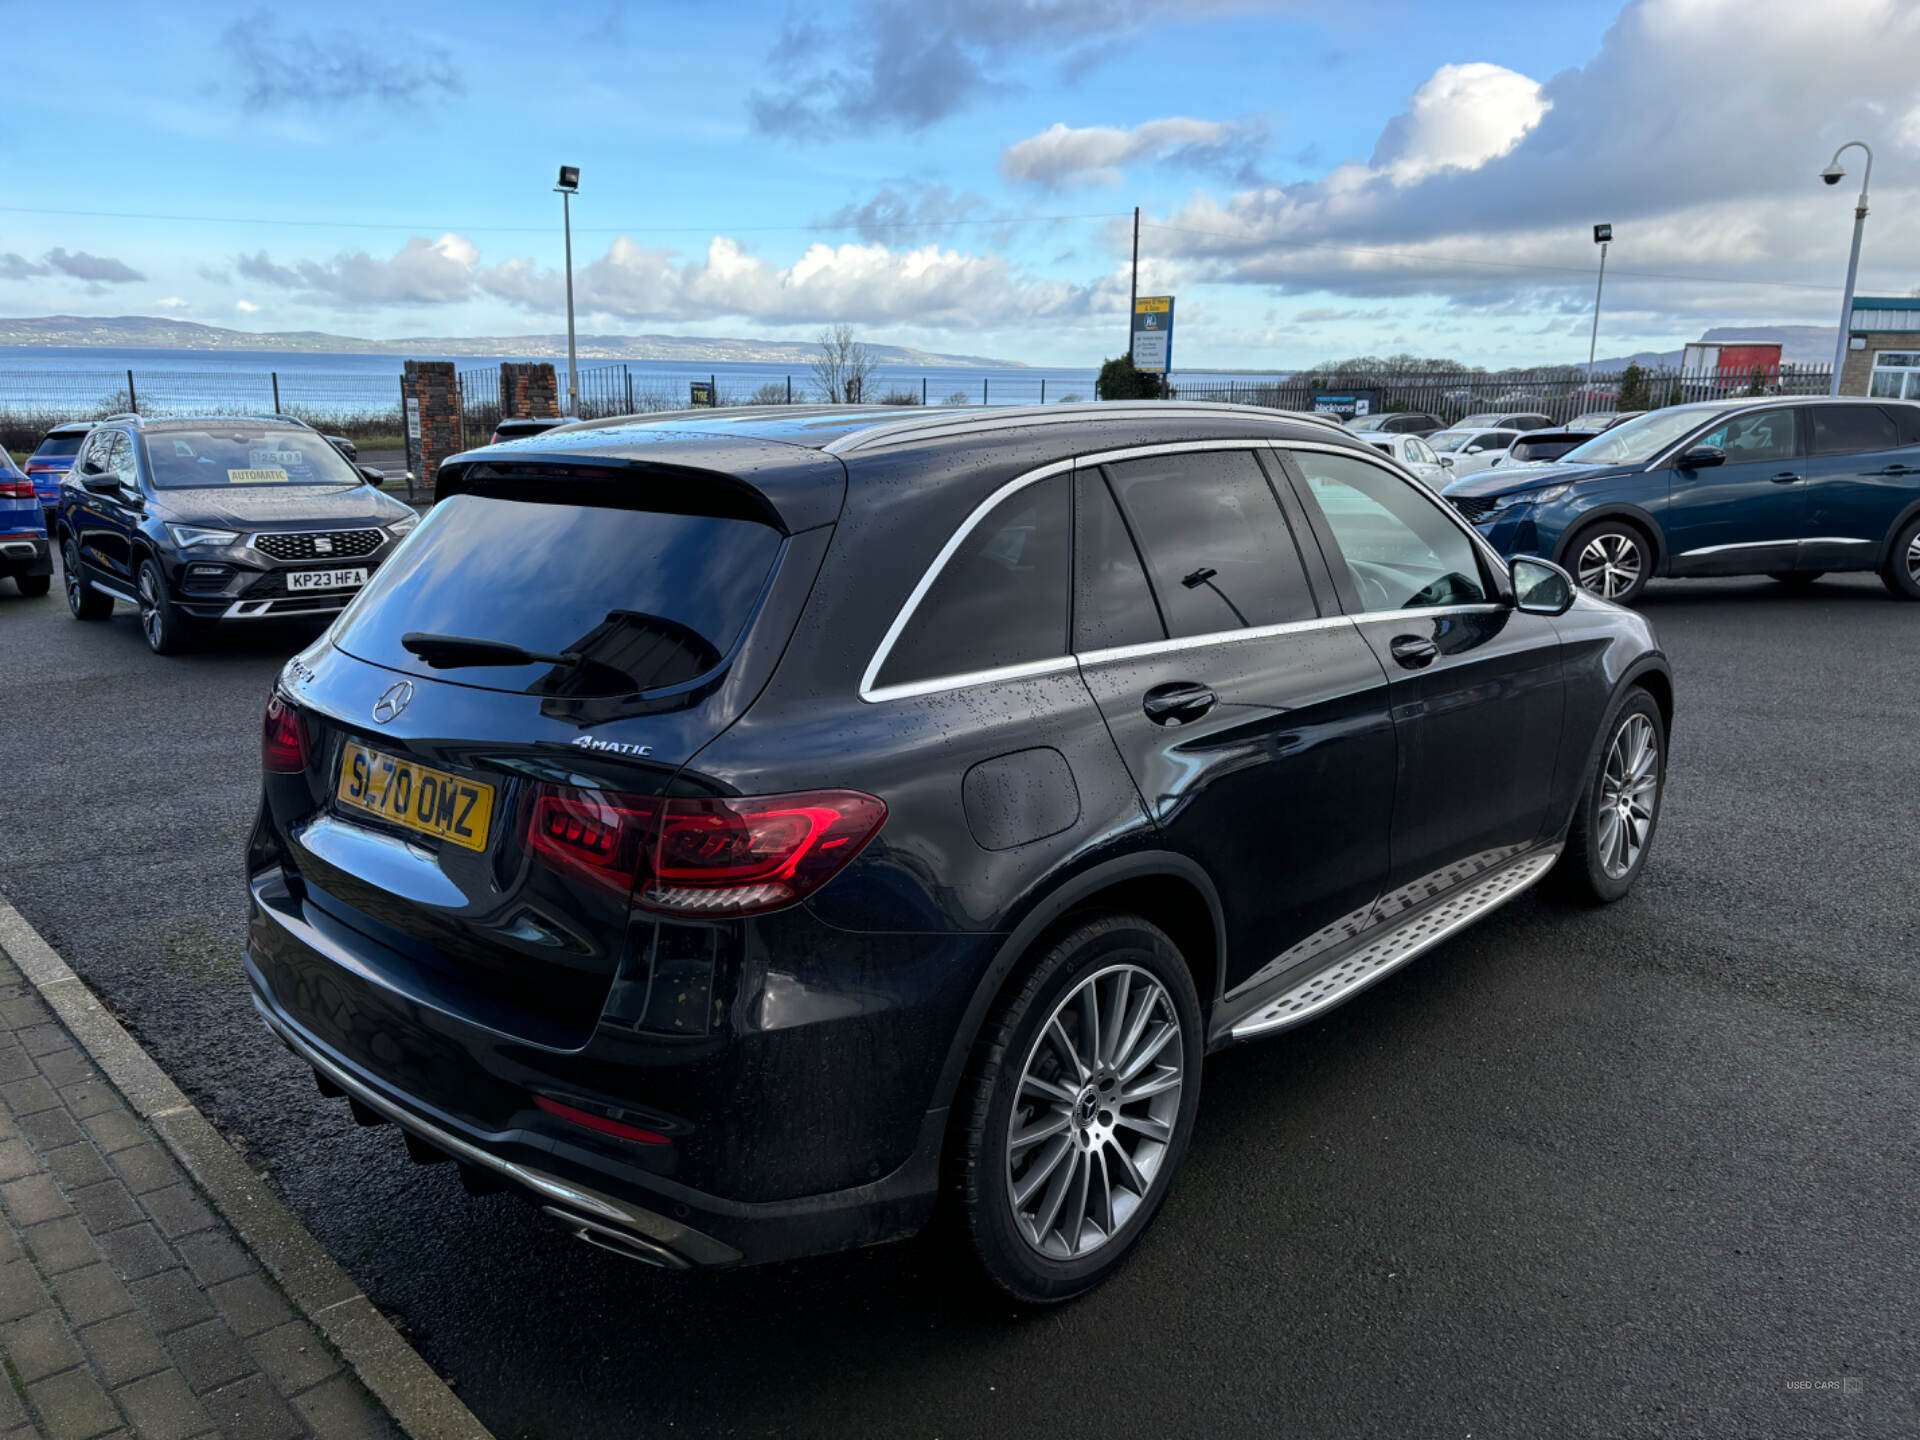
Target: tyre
<point x="33" y="584"/>
<point x="1795" y="579"/>
<point x="168" y="631"/>
<point x="1619" y="810"/>
<point x="1901" y="573"/>
<point x="1612" y="559"/>
<point x="83" y="600"/>
<point x="1078" y="1108"/>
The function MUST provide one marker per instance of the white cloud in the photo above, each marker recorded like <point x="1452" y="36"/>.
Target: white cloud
<point x="421" y="272"/>
<point x="1708" y="175"/>
<point x="171" y="302"/>
<point x="246" y="307"/>
<point x="1464" y="116"/>
<point x="856" y="283"/>
<point x="1059" y="157"/>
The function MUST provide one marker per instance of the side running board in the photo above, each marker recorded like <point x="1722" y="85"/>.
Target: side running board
<point x="1379" y="955"/>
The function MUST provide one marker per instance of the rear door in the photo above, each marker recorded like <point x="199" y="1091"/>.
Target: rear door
<point x="1476" y="688"/>
<point x="1251" y="716"/>
<point x="1863" y="470"/>
<point x="1747" y="516"/>
<point x="98" y="516"/>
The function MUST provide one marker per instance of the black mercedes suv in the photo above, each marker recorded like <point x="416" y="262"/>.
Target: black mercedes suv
<point x="201" y="521"/>
<point x="736" y="832"/>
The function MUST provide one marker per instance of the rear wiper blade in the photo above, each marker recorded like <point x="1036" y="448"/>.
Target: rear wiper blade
<point x="452" y="652"/>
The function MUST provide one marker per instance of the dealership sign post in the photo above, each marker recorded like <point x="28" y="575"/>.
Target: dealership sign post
<point x="1153" y="334"/>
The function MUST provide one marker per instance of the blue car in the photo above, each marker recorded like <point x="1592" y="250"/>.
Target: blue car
<point x="1790" y="487"/>
<point x="23" y="532"/>
<point x="50" y="461"/>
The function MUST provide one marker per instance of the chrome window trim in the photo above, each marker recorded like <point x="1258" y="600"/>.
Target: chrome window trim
<point x="874" y="694"/>
<point x="1149" y="648"/>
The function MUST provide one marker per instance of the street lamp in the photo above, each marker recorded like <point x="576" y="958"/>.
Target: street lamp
<point x="1833" y="175"/>
<point x="1603" y="237"/>
<point x="569" y="187"/>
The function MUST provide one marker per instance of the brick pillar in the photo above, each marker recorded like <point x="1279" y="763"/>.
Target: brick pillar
<point x="529" y="391"/>
<point x="430" y="405"/>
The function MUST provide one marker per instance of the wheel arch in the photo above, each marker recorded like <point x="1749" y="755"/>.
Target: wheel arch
<point x="1632" y="514"/>
<point x="1166" y="889"/>
<point x="1905" y="518"/>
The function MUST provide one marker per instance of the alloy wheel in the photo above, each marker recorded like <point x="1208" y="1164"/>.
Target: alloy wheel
<point x="1913" y="558"/>
<point x="151" y="620"/>
<point x="1094" y="1116"/>
<point x="70" y="568"/>
<point x="1609" y="565"/>
<point x="1628" y="788"/>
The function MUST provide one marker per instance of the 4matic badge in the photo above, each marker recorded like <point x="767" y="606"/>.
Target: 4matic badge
<point x="611" y="747"/>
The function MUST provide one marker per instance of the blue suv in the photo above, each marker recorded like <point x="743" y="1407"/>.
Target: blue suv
<point x="23" y="532"/>
<point x="1787" y="487"/>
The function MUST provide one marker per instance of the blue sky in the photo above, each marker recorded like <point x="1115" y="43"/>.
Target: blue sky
<point x="1383" y="175"/>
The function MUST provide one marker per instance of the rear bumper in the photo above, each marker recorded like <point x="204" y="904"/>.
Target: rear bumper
<point x="25" y="555"/>
<point x="741" y="1108"/>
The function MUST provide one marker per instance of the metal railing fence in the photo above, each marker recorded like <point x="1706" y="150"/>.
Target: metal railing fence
<point x="1560" y="393"/>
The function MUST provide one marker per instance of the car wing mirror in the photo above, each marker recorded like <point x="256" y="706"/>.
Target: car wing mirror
<point x="373" y="477"/>
<point x="1541" y="587"/>
<point x="1703" y="457"/>
<point x="103" y="482"/>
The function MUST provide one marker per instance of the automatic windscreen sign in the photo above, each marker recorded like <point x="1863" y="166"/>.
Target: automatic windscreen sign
<point x="1153" y="334"/>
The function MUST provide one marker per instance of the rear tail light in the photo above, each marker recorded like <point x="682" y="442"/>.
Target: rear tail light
<point x="11" y="489"/>
<point x="283" y="739"/>
<point x="736" y="856"/>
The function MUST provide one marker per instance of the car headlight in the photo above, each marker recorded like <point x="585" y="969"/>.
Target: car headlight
<point x="187" y="536"/>
<point x="1531" y="497"/>
<point x="403" y="525"/>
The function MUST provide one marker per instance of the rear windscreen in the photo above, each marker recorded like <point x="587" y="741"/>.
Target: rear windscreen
<point x="58" y="447"/>
<point x="244" y="456"/>
<point x="634" y="599"/>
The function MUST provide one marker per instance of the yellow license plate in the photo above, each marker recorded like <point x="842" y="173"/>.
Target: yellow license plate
<point x="416" y="796"/>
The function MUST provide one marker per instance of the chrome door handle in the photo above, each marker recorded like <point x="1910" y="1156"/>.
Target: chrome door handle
<point x="1785" y="477"/>
<point x="1413" y="651"/>
<point x="1178" y="702"/>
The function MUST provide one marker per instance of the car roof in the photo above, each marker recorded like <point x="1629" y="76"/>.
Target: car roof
<point x="798" y="459"/>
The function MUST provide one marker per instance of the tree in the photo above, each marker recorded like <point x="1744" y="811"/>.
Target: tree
<point x="844" y="372"/>
<point x="1634" y="389"/>
<point x="771" y="393"/>
<point x="1120" y="381"/>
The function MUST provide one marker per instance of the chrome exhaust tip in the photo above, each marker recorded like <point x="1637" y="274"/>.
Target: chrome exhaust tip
<point x="604" y="1237"/>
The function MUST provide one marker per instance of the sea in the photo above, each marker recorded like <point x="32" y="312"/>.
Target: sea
<point x="41" y="378"/>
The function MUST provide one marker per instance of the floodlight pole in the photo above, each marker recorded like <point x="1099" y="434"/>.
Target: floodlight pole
<point x="1593" y="343"/>
<point x="1853" y="259"/>
<point x="1133" y="290"/>
<point x="567" y="193"/>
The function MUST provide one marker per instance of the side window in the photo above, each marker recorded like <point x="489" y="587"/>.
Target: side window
<point x="1112" y="602"/>
<point x="1001" y="598"/>
<point x="1851" y="429"/>
<point x="1421" y="452"/>
<point x="120" y="459"/>
<point x="1749" y="439"/>
<point x="1217" y="545"/>
<point x="1402" y="552"/>
<point x="1906" y="420"/>
<point x="92" y="459"/>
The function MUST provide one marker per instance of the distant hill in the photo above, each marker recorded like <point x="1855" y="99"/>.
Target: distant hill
<point x="1799" y="345"/>
<point x="153" y="332"/>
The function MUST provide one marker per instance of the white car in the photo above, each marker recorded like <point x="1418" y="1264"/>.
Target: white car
<point x="1469" y="451"/>
<point x="1414" y="453"/>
